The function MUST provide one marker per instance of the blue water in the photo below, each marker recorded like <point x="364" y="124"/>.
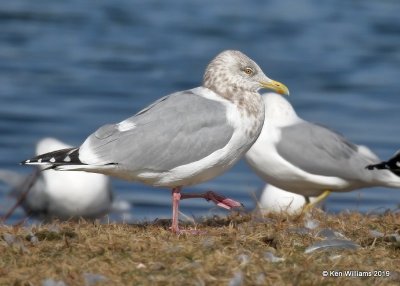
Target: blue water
<point x="67" y="67"/>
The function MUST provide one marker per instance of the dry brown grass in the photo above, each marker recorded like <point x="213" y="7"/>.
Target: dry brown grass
<point x="149" y="254"/>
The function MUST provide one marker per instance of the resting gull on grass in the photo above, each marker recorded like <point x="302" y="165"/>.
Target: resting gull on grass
<point x="309" y="159"/>
<point x="182" y="139"/>
<point x="276" y="200"/>
<point x="61" y="195"/>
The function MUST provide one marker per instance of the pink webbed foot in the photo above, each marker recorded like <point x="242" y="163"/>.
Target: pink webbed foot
<point x="222" y="201"/>
<point x="219" y="200"/>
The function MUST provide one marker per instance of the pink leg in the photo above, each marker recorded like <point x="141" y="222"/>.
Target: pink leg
<point x="176" y="196"/>
<point x="219" y="200"/>
<point x="209" y="196"/>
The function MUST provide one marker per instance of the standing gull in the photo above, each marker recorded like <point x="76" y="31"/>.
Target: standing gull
<point x="182" y="139"/>
<point x="308" y="159"/>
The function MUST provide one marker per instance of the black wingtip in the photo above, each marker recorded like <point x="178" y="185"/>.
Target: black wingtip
<point x="66" y="156"/>
<point x="370" y="167"/>
<point x="24" y="162"/>
<point x="380" y="166"/>
<point x="391" y="165"/>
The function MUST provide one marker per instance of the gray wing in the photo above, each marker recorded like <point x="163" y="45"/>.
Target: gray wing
<point x="320" y="151"/>
<point x="176" y="130"/>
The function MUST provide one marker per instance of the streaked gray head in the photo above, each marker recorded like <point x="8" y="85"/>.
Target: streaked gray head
<point x="232" y="71"/>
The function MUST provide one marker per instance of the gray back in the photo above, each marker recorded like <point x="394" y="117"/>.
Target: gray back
<point x="320" y="151"/>
<point x="176" y="130"/>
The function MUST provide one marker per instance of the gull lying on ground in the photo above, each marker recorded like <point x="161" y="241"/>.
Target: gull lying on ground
<point x="309" y="159"/>
<point x="61" y="195"/>
<point x="182" y="139"/>
<point x="275" y="200"/>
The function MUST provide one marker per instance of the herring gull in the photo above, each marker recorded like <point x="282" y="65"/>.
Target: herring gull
<point x="182" y="139"/>
<point x="309" y="159"/>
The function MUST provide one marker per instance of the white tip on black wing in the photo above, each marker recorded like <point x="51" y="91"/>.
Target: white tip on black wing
<point x="69" y="156"/>
<point x="393" y="164"/>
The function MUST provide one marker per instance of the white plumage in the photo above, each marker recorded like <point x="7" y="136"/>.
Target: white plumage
<point x="308" y="159"/>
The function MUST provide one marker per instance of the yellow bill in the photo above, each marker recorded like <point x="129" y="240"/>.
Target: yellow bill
<point x="275" y="86"/>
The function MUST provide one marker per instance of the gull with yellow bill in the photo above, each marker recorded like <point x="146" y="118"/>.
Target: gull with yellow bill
<point x="182" y="139"/>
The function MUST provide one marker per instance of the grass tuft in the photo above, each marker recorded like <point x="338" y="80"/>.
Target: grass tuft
<point x="240" y="249"/>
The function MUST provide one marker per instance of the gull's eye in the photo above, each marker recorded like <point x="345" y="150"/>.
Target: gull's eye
<point x="248" y="71"/>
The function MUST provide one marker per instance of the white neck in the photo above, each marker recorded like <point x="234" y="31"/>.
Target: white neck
<point x="278" y="110"/>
